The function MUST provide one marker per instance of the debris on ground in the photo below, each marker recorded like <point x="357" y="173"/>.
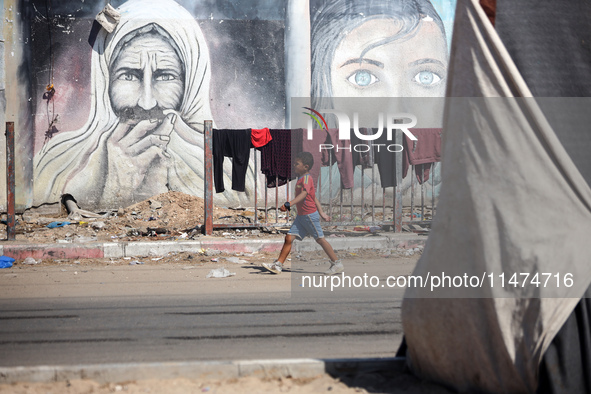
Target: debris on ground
<point x="171" y="215"/>
<point x="177" y="216"/>
<point x="220" y="273"/>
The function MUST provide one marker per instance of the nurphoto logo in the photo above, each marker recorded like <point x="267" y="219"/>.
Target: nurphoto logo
<point x="401" y="121"/>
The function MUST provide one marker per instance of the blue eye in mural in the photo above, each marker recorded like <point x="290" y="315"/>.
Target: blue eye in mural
<point x="362" y="78"/>
<point x="427" y="78"/>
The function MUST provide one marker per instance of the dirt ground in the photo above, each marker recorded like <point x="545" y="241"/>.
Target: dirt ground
<point x="171" y="215"/>
<point x="370" y="382"/>
<point x="320" y="384"/>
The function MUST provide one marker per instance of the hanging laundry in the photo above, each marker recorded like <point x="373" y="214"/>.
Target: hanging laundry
<point x="276" y="156"/>
<point x="423" y="152"/>
<point x="319" y="137"/>
<point x="362" y="157"/>
<point x="385" y="160"/>
<point x="328" y="154"/>
<point x="342" y="156"/>
<point x="260" y="137"/>
<point x="234" y="144"/>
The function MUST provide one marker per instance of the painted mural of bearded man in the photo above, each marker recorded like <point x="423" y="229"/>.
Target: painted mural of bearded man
<point x="144" y="134"/>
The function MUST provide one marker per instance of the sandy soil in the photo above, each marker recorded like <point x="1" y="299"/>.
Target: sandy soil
<point x="386" y="383"/>
<point x="320" y="384"/>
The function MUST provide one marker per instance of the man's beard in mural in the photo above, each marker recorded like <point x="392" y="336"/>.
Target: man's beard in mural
<point x="137" y="114"/>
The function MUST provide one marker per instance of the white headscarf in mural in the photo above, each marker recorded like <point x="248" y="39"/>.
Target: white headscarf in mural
<point x="85" y="164"/>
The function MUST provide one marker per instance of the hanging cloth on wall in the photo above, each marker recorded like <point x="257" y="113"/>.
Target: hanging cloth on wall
<point x="260" y="137"/>
<point x="385" y="160"/>
<point x="234" y="144"/>
<point x="277" y="156"/>
<point x="341" y="153"/>
<point x="361" y="156"/>
<point x="421" y="153"/>
<point x="322" y="154"/>
<point x="314" y="146"/>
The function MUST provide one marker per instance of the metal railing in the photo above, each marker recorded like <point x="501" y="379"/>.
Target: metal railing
<point x="360" y="205"/>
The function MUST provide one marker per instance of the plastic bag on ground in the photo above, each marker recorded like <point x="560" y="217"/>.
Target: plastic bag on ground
<point x="220" y="273"/>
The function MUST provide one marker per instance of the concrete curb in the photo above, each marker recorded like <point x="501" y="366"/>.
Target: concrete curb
<point x="212" y="370"/>
<point x="138" y="249"/>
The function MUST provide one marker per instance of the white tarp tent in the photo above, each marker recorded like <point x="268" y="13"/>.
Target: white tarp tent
<point x="508" y="186"/>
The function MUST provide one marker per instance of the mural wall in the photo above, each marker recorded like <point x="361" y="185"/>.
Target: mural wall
<point x="124" y="120"/>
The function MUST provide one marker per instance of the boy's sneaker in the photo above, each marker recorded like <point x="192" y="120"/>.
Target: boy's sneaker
<point x="275" y="268"/>
<point x="335" y="268"/>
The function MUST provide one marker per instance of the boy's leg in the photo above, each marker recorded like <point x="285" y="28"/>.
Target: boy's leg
<point x="277" y="266"/>
<point x="335" y="265"/>
<point x="286" y="248"/>
<point x="327" y="249"/>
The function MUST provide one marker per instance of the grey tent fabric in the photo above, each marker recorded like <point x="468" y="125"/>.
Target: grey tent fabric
<point x="507" y="186"/>
<point x="550" y="43"/>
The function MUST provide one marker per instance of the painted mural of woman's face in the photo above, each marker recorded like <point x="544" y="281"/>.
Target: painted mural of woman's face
<point x="146" y="77"/>
<point x="416" y="67"/>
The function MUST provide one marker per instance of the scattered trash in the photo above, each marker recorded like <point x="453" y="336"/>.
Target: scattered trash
<point x="220" y="273"/>
<point x="153" y="231"/>
<point x="215" y="259"/>
<point x="6" y="262"/>
<point x="30" y="261"/>
<point x="58" y="224"/>
<point x="371" y="229"/>
<point x="157" y="258"/>
<point x="236" y="260"/>
<point x="136" y="262"/>
<point x="97" y="225"/>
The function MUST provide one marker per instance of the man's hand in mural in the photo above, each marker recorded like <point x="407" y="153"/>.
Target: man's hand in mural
<point x="137" y="155"/>
<point x="183" y="130"/>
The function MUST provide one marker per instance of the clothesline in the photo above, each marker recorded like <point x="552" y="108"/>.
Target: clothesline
<point x="278" y="147"/>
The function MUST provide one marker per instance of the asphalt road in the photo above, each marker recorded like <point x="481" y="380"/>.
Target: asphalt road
<point x="112" y="312"/>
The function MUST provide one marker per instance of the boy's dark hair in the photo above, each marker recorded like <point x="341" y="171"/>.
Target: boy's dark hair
<point x="306" y="158"/>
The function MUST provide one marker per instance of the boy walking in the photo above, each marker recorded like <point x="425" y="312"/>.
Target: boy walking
<point x="308" y="220"/>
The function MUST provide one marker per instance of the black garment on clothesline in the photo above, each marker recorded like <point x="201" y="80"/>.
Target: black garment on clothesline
<point x="278" y="155"/>
<point x="235" y="144"/>
<point x="385" y="160"/>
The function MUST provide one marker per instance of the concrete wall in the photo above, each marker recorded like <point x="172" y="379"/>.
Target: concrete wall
<point x="235" y="62"/>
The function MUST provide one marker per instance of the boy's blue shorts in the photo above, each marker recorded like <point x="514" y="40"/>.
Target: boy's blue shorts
<point x="307" y="225"/>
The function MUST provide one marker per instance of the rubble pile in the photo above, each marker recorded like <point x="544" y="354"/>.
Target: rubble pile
<point x="170" y="215"/>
